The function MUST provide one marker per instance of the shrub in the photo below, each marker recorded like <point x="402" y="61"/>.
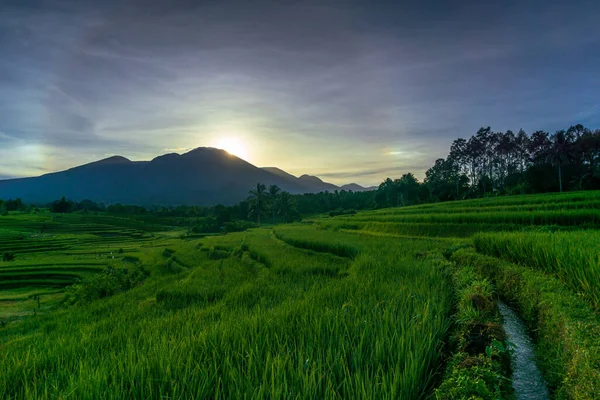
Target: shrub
<point x="168" y="253"/>
<point x="8" y="256"/>
<point x="104" y="284"/>
<point x="238" y="226"/>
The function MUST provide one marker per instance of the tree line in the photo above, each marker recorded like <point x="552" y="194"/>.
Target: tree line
<point x="497" y="163"/>
<point x="263" y="204"/>
<point x="486" y="164"/>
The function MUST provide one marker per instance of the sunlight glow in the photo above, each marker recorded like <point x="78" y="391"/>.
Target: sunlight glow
<point x="233" y="146"/>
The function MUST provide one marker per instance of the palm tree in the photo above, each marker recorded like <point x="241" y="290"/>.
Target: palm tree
<point x="559" y="153"/>
<point x="285" y="205"/>
<point x="273" y="193"/>
<point x="258" y="201"/>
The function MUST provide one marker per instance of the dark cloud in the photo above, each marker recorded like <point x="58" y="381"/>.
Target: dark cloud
<point x="327" y="86"/>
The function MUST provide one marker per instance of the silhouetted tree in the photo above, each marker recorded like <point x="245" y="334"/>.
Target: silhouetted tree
<point x="440" y="180"/>
<point x="408" y="189"/>
<point x="61" y="206"/>
<point x="14" y="205"/>
<point x="285" y="206"/>
<point x="272" y="196"/>
<point x="257" y="204"/>
<point x="459" y="158"/>
<point x="560" y="152"/>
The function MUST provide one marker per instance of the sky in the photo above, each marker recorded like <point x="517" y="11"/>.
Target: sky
<point x="350" y="91"/>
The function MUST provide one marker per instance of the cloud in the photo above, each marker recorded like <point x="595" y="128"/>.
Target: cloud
<point x="327" y="87"/>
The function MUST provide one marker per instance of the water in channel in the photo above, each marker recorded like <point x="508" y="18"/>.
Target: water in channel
<point x="528" y="382"/>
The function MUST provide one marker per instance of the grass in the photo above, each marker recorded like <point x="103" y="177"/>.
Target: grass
<point x="361" y="306"/>
<point x="479" y="364"/>
<point x="574" y="257"/>
<point x="565" y="328"/>
<point x="265" y="317"/>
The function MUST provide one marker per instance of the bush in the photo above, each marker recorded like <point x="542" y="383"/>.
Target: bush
<point x="238" y="226"/>
<point x="8" y="256"/>
<point x="207" y="225"/>
<point x="104" y="284"/>
<point x="168" y="253"/>
<point x="131" y="259"/>
<point x="62" y="206"/>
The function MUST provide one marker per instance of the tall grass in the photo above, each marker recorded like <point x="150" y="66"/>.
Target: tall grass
<point x="420" y="229"/>
<point x="573" y="256"/>
<point x="554" y="217"/>
<point x="235" y="328"/>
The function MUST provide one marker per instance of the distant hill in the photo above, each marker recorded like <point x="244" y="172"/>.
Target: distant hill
<point x="204" y="176"/>
<point x="357" y="188"/>
<point x="315" y="184"/>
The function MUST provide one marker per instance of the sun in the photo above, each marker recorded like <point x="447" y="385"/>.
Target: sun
<point x="233" y="146"/>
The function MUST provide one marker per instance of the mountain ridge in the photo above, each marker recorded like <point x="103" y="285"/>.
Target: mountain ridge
<point x="202" y="176"/>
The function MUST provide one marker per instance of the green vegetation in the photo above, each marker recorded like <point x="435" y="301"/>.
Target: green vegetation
<point x="479" y="363"/>
<point x="574" y="256"/>
<point x="565" y="328"/>
<point x="264" y="317"/>
<point x="390" y="303"/>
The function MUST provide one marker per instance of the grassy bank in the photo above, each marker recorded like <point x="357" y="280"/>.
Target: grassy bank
<point x="478" y="367"/>
<point x="565" y="328"/>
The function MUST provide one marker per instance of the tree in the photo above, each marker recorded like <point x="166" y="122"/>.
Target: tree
<point x="474" y="158"/>
<point x="439" y="179"/>
<point x="61" y="206"/>
<point x="522" y="150"/>
<point x="460" y="160"/>
<point x="285" y="206"/>
<point x="14" y="205"/>
<point x="272" y="196"/>
<point x="539" y="146"/>
<point x="257" y="205"/>
<point x="560" y="152"/>
<point x="387" y="194"/>
<point x="408" y="188"/>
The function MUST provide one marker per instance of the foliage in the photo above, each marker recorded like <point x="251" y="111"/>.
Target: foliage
<point x="497" y="163"/>
<point x="238" y="226"/>
<point x="309" y="325"/>
<point x="566" y="329"/>
<point x="357" y="305"/>
<point x="14" y="205"/>
<point x="479" y="366"/>
<point x="340" y="211"/>
<point x="572" y="256"/>
<point x="107" y="283"/>
<point x="62" y="206"/>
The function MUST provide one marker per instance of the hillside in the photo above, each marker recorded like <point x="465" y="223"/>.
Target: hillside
<point x="204" y="176"/>
<point x="128" y="306"/>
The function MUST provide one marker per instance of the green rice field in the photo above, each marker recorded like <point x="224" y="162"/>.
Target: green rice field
<point x="386" y="304"/>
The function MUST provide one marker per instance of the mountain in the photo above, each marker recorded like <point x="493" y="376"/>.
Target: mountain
<point x="308" y="182"/>
<point x="204" y="176"/>
<point x="356" y="187"/>
<point x="315" y="184"/>
<point x="281" y="173"/>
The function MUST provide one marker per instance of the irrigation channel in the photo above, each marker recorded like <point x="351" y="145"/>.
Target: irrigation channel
<point x="528" y="382"/>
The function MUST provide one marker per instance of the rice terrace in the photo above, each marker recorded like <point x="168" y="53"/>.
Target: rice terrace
<point x="393" y="303"/>
<point x="299" y="200"/>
